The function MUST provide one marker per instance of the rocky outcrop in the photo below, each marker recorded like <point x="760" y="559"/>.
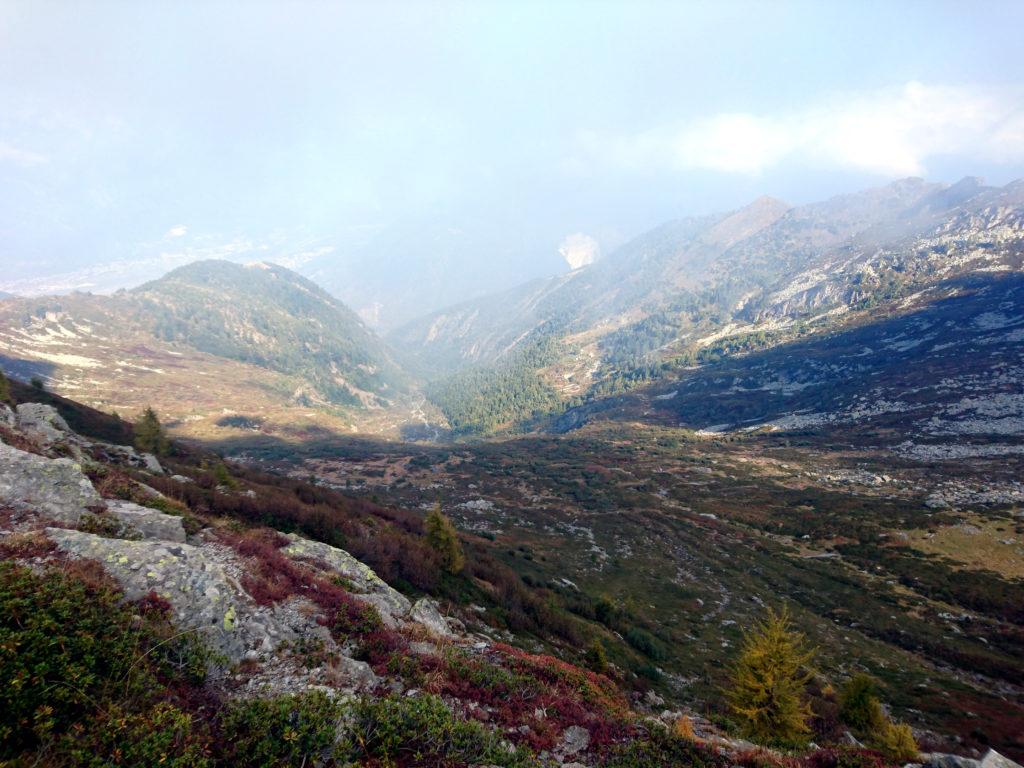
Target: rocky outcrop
<point x="360" y="578"/>
<point x="426" y="612"/>
<point x="203" y="595"/>
<point x="149" y="523"/>
<point x="42" y="423"/>
<point x="992" y="759"/>
<point x="55" y="488"/>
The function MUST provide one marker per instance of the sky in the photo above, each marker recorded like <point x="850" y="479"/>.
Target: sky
<point x="481" y="143"/>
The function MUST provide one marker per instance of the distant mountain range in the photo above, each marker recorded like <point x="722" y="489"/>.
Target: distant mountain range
<point x="695" y="290"/>
<point x="663" y="313"/>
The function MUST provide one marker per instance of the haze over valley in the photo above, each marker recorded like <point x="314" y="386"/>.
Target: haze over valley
<point x="581" y="385"/>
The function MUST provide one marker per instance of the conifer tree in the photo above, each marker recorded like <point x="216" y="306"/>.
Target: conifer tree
<point x="768" y="683"/>
<point x="444" y="540"/>
<point x="595" y="657"/>
<point x="149" y="434"/>
<point x="859" y="707"/>
<point x="5" y="390"/>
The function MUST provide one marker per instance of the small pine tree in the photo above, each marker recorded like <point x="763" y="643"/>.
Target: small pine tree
<point x="149" y="434"/>
<point x="442" y="537"/>
<point x="768" y="683"/>
<point x="859" y="707"/>
<point x="595" y="658"/>
<point x="897" y="742"/>
<point x="37" y="383"/>
<point x="5" y="390"/>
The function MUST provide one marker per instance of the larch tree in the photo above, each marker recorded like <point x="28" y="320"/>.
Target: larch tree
<point x="444" y="540"/>
<point x="769" y="681"/>
<point x="149" y="434"/>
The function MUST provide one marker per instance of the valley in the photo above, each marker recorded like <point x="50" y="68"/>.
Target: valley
<point x="818" y="406"/>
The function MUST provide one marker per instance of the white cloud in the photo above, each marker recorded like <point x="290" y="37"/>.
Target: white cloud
<point x="22" y="157"/>
<point x="579" y="249"/>
<point x="890" y="132"/>
<point x="177" y="231"/>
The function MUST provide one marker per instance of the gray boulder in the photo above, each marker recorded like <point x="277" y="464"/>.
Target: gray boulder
<point x="425" y="612"/>
<point x="43" y="423"/>
<point x="152" y="464"/>
<point x="993" y="759"/>
<point x="203" y="595"/>
<point x="7" y="417"/>
<point x="575" y="739"/>
<point x="941" y="760"/>
<point x="55" y="488"/>
<point x="363" y="583"/>
<point x="148" y="522"/>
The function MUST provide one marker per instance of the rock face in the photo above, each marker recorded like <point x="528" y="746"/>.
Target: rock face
<point x="148" y="522"/>
<point x="146" y="551"/>
<point x="426" y="612"/>
<point x="203" y="596"/>
<point x="43" y="423"/>
<point x="362" y="581"/>
<point x="992" y="759"/>
<point x="55" y="488"/>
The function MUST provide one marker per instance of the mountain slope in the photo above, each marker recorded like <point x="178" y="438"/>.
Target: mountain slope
<point x="218" y="349"/>
<point x="271" y="317"/>
<point x="731" y="282"/>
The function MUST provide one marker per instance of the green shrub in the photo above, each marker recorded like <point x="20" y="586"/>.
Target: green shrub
<point x="644" y="641"/>
<point x="149" y="434"/>
<point x="66" y="646"/>
<point x="859" y="707"/>
<point x="897" y="742"/>
<point x="662" y="749"/>
<point x="595" y="658"/>
<point x="443" y="539"/>
<point x="5" y="390"/>
<point x="162" y="736"/>
<point x="283" y="731"/>
<point x="422" y="731"/>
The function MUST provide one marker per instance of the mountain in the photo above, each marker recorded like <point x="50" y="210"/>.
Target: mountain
<point x="273" y="318"/>
<point x="217" y="348"/>
<point x="726" y="282"/>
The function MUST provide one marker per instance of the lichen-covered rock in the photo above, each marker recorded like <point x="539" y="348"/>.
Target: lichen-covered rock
<point x="575" y="739"/>
<point x="43" y="423"/>
<point x="152" y="464"/>
<point x="426" y="612"/>
<point x="941" y="760"/>
<point x="7" y="417"/>
<point x="993" y="759"/>
<point x="54" y="488"/>
<point x="362" y="581"/>
<point x="202" y="595"/>
<point x="148" y="522"/>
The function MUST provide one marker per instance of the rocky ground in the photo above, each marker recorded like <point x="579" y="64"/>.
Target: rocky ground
<point x="52" y="511"/>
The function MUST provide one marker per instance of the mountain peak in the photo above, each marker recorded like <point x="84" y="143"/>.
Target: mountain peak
<point x="746" y="221"/>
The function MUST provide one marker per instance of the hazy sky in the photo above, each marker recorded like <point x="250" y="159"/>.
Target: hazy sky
<point x="142" y="134"/>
